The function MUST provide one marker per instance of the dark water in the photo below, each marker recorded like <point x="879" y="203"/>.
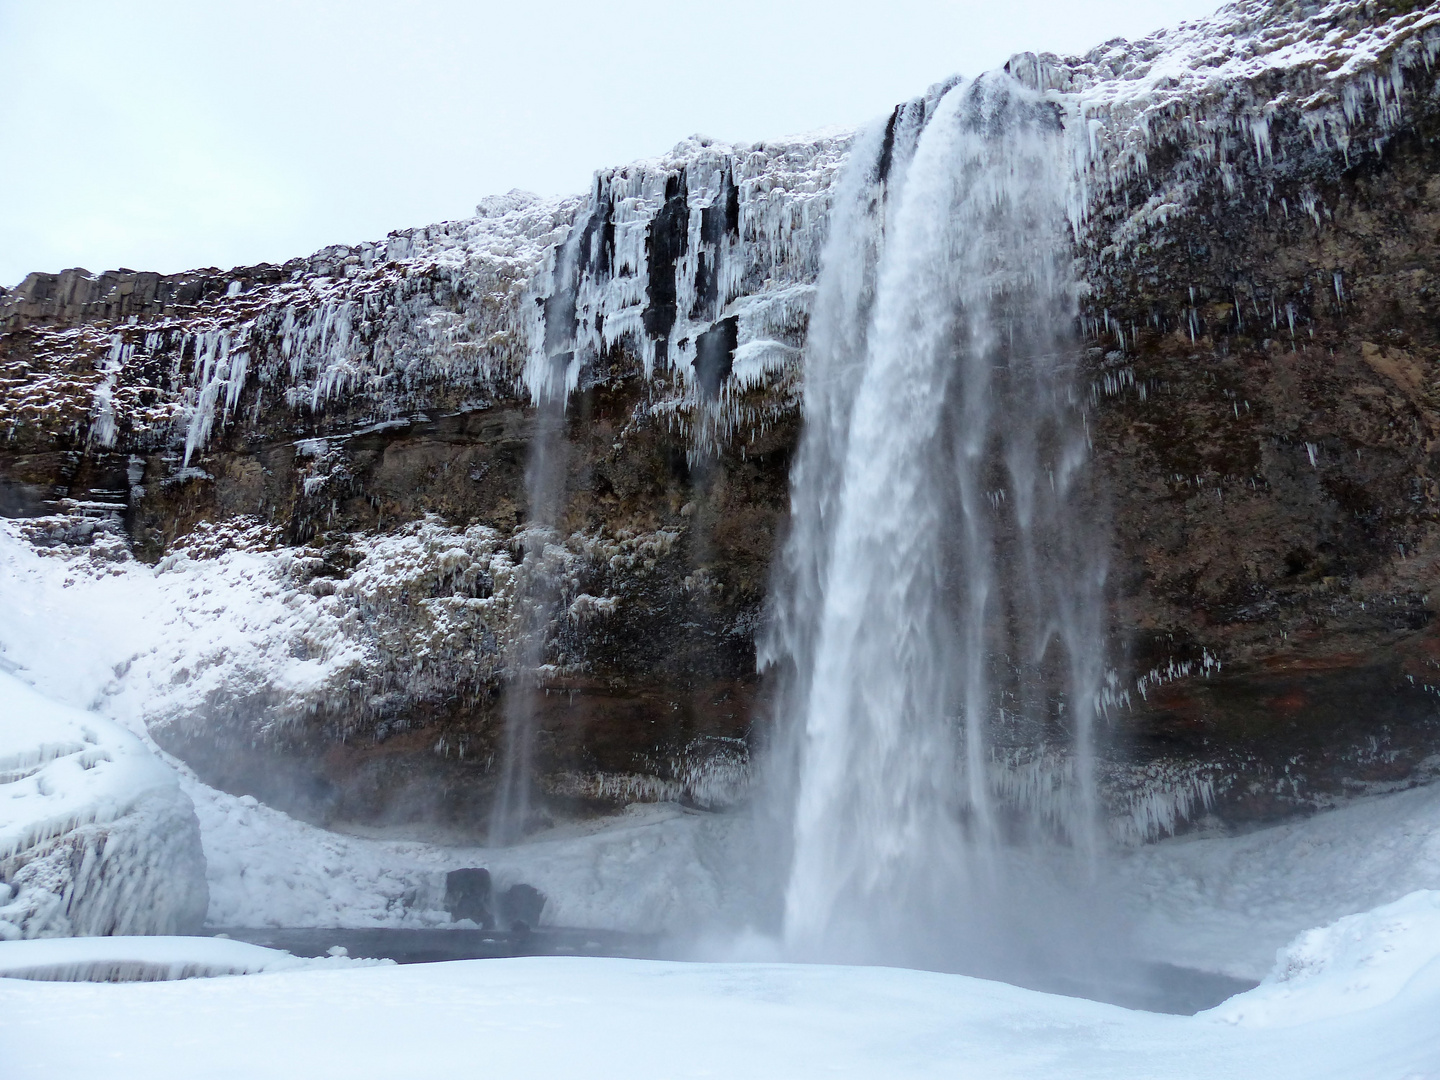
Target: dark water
<point x="432" y="946"/>
<point x="1152" y="987"/>
<point x="1163" y="988"/>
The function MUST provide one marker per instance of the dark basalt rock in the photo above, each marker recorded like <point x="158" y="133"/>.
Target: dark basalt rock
<point x="665" y="242"/>
<point x="715" y="356"/>
<point x="518" y="908"/>
<point x="467" y="895"/>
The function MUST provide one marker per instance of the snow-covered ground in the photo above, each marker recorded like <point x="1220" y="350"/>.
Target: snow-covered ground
<point x="1358" y="999"/>
<point x="1226" y="904"/>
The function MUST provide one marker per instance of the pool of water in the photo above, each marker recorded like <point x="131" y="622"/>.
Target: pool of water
<point x="1152" y="987"/>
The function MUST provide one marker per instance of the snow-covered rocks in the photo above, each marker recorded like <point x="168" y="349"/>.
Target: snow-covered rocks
<point x="95" y="834"/>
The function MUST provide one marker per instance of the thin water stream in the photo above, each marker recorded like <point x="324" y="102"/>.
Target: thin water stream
<point x="537" y="593"/>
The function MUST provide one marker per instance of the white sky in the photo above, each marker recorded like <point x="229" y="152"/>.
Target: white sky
<point x="170" y="134"/>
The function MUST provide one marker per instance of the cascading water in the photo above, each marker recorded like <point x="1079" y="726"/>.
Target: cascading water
<point x="940" y="615"/>
<point x="537" y="592"/>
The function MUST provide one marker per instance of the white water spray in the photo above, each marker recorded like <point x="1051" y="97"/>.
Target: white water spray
<point x="940" y="618"/>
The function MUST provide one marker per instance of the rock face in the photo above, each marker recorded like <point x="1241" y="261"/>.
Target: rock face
<point x="1255" y="215"/>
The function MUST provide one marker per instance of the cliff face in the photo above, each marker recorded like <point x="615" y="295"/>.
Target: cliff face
<point x="361" y="421"/>
<point x="1265" y="356"/>
<point x="1256" y="216"/>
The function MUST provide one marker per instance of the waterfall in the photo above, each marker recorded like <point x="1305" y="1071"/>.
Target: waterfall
<point x="939" y="619"/>
<point x="537" y="589"/>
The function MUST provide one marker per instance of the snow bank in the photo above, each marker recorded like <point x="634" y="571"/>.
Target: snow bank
<point x="95" y="834"/>
<point x="562" y="1017"/>
<point x="150" y="959"/>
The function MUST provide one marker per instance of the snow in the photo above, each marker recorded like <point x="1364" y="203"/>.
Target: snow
<point x="1359" y="962"/>
<point x="73" y="767"/>
<point x="92" y="626"/>
<point x="635" y="1019"/>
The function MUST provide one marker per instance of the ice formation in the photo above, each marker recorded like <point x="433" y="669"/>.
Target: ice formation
<point x="152" y="959"/>
<point x="95" y="834"/>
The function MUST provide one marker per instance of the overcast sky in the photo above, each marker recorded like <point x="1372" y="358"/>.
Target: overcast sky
<point x="170" y="134"/>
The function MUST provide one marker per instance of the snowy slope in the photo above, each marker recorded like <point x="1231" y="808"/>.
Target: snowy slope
<point x="563" y="1017"/>
<point x="1360" y="962"/>
<point x="93" y="628"/>
<point x="231" y="629"/>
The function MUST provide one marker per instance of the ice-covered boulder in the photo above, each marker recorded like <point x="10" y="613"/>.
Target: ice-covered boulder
<point x="96" y="836"/>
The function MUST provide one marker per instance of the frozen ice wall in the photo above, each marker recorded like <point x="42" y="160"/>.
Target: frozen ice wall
<point x="95" y="834"/>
